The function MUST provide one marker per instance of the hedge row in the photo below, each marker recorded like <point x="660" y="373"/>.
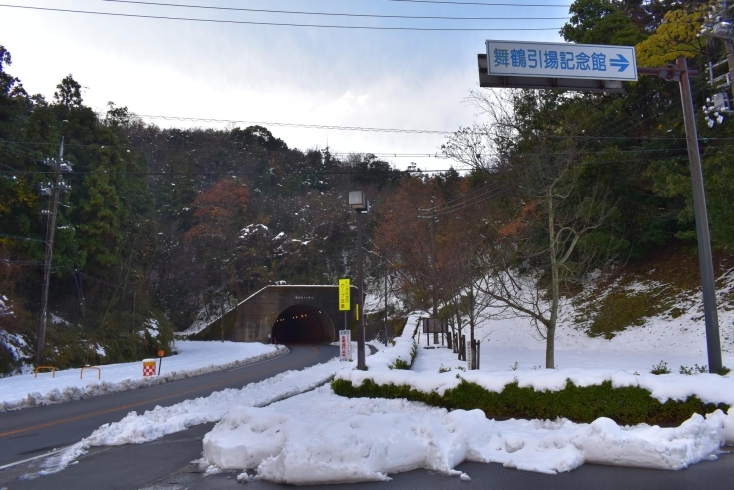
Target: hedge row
<point x="627" y="405"/>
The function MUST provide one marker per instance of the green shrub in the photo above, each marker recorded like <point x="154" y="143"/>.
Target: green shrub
<point x="661" y="368"/>
<point x="399" y="363"/>
<point x="696" y="369"/>
<point x="624" y="405"/>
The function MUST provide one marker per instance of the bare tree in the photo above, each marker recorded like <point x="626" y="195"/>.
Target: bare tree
<point x="552" y="228"/>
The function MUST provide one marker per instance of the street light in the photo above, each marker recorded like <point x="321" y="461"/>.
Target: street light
<point x="358" y="202"/>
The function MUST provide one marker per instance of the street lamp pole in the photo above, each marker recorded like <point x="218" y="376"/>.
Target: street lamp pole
<point x="358" y="202"/>
<point x="360" y="298"/>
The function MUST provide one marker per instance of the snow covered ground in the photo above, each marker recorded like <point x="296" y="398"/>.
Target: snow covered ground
<point x="293" y="429"/>
<point x="318" y="437"/>
<point x="193" y="359"/>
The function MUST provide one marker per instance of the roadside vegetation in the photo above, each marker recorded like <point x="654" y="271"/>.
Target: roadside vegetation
<point x="624" y="405"/>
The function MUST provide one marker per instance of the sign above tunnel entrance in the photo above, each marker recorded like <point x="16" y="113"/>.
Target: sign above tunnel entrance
<point x="561" y="60"/>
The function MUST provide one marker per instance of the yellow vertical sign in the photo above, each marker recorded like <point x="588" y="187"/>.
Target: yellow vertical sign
<point x="344" y="298"/>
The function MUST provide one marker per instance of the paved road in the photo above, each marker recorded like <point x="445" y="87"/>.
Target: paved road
<point x="31" y="432"/>
<point x="129" y="468"/>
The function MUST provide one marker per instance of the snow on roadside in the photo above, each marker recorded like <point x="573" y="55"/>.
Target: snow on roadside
<point x="319" y="437"/>
<point x="291" y="429"/>
<point x="193" y="359"/>
<point x="153" y="424"/>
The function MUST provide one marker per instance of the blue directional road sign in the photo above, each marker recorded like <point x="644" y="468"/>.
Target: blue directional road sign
<point x="561" y="60"/>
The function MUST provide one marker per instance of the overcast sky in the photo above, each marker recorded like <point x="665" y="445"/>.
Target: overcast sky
<point x="269" y="73"/>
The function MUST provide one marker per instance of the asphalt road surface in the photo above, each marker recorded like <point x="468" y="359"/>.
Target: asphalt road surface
<point x="35" y="431"/>
<point x="167" y="463"/>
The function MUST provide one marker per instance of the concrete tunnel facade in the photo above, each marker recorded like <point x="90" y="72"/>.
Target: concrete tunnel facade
<point x="287" y="314"/>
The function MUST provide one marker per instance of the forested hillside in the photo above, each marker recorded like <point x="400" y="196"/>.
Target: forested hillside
<point x="163" y="228"/>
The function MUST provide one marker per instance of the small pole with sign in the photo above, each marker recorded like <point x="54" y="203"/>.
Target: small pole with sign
<point x="161" y="353"/>
<point x="345" y="337"/>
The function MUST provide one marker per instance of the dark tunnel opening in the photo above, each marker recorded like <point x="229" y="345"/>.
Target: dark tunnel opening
<point x="300" y="324"/>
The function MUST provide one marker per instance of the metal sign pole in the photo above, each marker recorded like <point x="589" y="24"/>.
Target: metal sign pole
<point x="713" y="342"/>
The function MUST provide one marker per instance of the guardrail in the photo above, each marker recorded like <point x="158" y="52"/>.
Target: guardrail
<point x="99" y="371"/>
<point x="53" y="370"/>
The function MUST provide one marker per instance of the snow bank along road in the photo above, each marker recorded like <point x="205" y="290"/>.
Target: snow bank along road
<point x="32" y="432"/>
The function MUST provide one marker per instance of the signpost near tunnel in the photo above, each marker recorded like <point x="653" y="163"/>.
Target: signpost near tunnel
<point x="585" y="67"/>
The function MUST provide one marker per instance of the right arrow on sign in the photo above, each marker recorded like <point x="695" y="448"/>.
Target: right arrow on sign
<point x="619" y="61"/>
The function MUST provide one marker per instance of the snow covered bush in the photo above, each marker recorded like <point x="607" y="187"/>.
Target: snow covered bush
<point x="623" y="404"/>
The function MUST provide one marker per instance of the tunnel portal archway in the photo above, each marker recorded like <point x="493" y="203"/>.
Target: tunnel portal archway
<point x="302" y="324"/>
<point x="256" y="318"/>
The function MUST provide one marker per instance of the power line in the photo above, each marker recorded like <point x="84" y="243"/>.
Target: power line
<point x="296" y="125"/>
<point x="22" y="238"/>
<point x="330" y="14"/>
<point x="348" y="153"/>
<point x="460" y="207"/>
<point x="468" y="197"/>
<point x="228" y="174"/>
<point x="463" y="196"/>
<point x="283" y="24"/>
<point x="485" y="4"/>
<point x="384" y="130"/>
<point x="235" y="173"/>
<point x="21" y="262"/>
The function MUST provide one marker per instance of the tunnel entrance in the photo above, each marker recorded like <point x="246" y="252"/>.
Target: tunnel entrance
<point x="302" y="324"/>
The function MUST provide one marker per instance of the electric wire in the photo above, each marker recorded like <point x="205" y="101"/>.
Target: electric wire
<point x="455" y="210"/>
<point x="331" y="14"/>
<point x="386" y="130"/>
<point x="487" y="4"/>
<point x="482" y="189"/>
<point x="23" y="238"/>
<point x="450" y="209"/>
<point x="623" y="126"/>
<point x="282" y="24"/>
<point x="336" y="153"/>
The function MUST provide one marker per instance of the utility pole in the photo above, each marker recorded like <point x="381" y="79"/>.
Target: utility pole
<point x="728" y="43"/>
<point x="58" y="165"/>
<point x="718" y="25"/>
<point x="434" y="268"/>
<point x="385" y="262"/>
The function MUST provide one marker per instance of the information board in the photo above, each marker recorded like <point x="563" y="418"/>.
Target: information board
<point x="433" y="325"/>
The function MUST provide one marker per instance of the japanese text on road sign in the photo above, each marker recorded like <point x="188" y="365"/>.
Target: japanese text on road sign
<point x="345" y="345"/>
<point x="559" y="60"/>
<point x="344" y="299"/>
